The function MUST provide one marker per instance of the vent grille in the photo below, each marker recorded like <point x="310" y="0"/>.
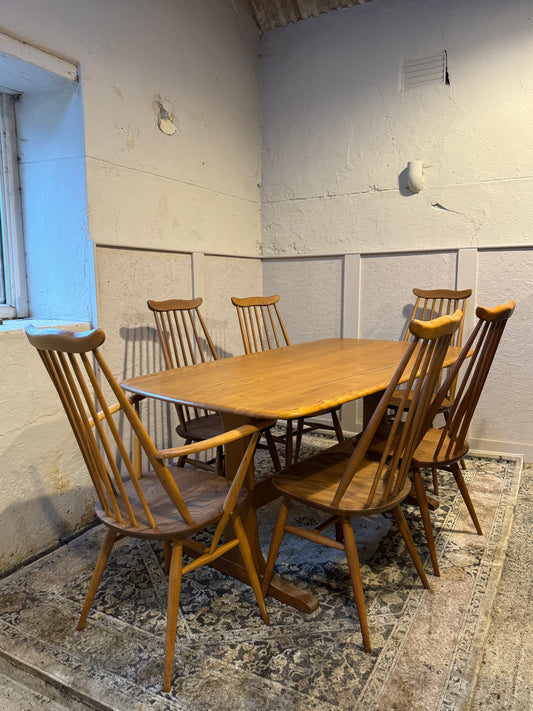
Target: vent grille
<point x="428" y="70"/>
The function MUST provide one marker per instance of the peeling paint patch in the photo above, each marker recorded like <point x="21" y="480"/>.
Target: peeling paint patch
<point x="165" y="115"/>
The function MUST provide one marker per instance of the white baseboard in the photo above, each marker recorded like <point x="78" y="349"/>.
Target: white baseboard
<point x="487" y="446"/>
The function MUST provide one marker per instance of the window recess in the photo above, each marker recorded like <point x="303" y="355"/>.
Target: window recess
<point x="13" y="284"/>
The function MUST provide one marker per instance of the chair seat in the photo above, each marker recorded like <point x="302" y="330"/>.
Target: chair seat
<point x="314" y="481"/>
<point x="426" y="454"/>
<point x="204" y="493"/>
<point x="201" y="428"/>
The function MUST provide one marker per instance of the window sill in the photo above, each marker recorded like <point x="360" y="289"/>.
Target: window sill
<point x="7" y="311"/>
<point x="19" y="324"/>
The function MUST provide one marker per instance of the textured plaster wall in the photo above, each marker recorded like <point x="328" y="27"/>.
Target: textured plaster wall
<point x="45" y="493"/>
<point x="198" y="187"/>
<point x="310" y="296"/>
<point x="223" y="278"/>
<point x="505" y="411"/>
<point x="338" y="131"/>
<point x="370" y="296"/>
<point x="387" y="288"/>
<point x="195" y="190"/>
<point x="132" y="346"/>
<point x="132" y="343"/>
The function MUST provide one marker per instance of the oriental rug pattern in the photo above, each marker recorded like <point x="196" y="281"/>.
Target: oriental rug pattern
<point x="426" y="644"/>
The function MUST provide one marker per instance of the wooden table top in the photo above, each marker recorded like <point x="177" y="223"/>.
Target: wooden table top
<point x="284" y="383"/>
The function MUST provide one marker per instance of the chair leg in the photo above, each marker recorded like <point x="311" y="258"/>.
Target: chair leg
<point x="426" y="520"/>
<point x="288" y="444"/>
<point x="337" y="426"/>
<point x="174" y="586"/>
<point x="181" y="460"/>
<point x="399" y="517"/>
<point x="250" y="567"/>
<point x="272" y="449"/>
<point x="219" y="461"/>
<point x="298" y="444"/>
<point x="339" y="535"/>
<point x="275" y="543"/>
<point x="167" y="554"/>
<point x="357" y="583"/>
<point x="466" y="496"/>
<point x="435" y="474"/>
<point x="101" y="562"/>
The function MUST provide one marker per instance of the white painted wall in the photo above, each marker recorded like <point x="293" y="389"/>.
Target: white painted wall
<point x="54" y="202"/>
<point x="337" y="135"/>
<point x="196" y="190"/>
<point x="310" y="295"/>
<point x="338" y="131"/>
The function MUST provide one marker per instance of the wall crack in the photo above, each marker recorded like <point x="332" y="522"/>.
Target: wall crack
<point x="446" y="209"/>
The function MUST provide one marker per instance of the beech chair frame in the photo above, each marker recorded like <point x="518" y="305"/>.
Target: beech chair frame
<point x="262" y="328"/>
<point x="185" y="340"/>
<point x="429" y="304"/>
<point x="165" y="503"/>
<point x="443" y="448"/>
<point x="345" y="482"/>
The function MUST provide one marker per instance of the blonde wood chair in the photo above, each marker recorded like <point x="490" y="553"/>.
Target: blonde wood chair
<point x="429" y="304"/>
<point x="444" y="448"/>
<point x="185" y="340"/>
<point x="165" y="503"/>
<point x="262" y="329"/>
<point x="345" y="483"/>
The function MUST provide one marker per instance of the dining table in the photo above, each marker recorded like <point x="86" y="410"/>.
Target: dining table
<point x="285" y="383"/>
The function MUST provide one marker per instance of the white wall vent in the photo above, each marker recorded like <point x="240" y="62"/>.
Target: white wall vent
<point x="427" y="70"/>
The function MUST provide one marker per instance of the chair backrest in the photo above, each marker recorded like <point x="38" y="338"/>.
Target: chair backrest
<point x="85" y="386"/>
<point x="262" y="327"/>
<point x="482" y="344"/>
<point x="184" y="340"/>
<point x="184" y="337"/>
<point x="422" y="364"/>
<point x="431" y="303"/>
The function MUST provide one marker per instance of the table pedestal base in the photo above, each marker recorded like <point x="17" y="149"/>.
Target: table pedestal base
<point x="280" y="589"/>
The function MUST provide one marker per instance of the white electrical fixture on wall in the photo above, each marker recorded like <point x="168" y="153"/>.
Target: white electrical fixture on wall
<point x="415" y="175"/>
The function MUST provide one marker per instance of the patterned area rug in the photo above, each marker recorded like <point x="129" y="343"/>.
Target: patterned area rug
<point x="426" y="644"/>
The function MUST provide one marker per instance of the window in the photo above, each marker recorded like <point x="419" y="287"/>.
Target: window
<point x="46" y="256"/>
<point x="13" y="289"/>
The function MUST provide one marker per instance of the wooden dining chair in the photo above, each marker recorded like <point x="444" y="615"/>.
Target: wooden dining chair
<point x="346" y="483"/>
<point x="430" y="303"/>
<point x="262" y="329"/>
<point x="443" y="448"/>
<point x="164" y="503"/>
<point x="185" y="340"/>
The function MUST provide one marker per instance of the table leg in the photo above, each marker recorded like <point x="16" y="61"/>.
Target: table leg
<point x="370" y="402"/>
<point x="232" y="563"/>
